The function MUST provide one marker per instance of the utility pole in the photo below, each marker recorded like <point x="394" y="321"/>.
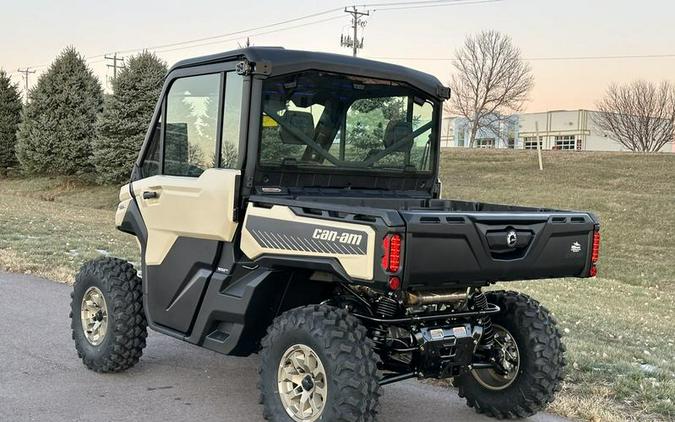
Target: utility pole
<point x="536" y="128"/>
<point x="115" y="66"/>
<point x="357" y="22"/>
<point x="26" y="71"/>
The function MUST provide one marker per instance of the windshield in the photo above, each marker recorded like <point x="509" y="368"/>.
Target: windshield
<point x="317" y="119"/>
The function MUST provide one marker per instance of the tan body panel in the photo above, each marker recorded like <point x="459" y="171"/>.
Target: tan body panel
<point x="198" y="207"/>
<point x="357" y="257"/>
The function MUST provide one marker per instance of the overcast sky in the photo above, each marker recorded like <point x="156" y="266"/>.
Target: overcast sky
<point x="34" y="31"/>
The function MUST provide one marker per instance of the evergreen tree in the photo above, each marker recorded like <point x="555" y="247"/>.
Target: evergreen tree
<point x="10" y="115"/>
<point x="59" y="121"/>
<point x="126" y="117"/>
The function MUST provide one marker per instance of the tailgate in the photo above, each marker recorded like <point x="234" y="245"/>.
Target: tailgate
<point x="444" y="248"/>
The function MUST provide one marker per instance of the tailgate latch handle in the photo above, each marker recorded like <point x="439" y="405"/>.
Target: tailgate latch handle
<point x="150" y="195"/>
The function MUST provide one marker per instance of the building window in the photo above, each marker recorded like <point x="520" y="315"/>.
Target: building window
<point x="485" y="143"/>
<point x="530" y="142"/>
<point x="566" y="142"/>
<point x="460" y="138"/>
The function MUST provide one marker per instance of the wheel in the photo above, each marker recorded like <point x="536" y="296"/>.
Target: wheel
<point x="107" y="317"/>
<point x="318" y="364"/>
<point x="529" y="357"/>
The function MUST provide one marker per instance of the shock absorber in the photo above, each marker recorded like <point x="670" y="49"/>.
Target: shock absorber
<point x="385" y="307"/>
<point x="480" y="303"/>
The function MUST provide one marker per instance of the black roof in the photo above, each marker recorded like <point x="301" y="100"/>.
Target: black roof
<point x="282" y="61"/>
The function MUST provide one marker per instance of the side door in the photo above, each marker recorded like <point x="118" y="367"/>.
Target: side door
<point x="187" y="190"/>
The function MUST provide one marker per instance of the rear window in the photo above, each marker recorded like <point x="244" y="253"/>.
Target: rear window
<point x="318" y="120"/>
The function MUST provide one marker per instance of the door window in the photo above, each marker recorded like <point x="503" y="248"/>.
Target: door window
<point x="191" y="125"/>
<point x="150" y="165"/>
<point x="229" y="151"/>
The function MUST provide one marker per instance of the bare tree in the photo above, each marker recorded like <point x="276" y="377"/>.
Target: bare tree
<point x="491" y="81"/>
<point x="640" y="115"/>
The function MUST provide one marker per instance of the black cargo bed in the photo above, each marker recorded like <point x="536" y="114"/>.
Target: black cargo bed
<point x="446" y="248"/>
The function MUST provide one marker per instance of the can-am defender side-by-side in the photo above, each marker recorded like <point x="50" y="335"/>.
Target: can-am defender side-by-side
<point x="288" y="203"/>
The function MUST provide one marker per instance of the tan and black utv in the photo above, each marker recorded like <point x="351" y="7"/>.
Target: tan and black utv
<point x="288" y="203"/>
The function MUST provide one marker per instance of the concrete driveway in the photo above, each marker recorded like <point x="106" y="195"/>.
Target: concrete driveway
<point x="42" y="379"/>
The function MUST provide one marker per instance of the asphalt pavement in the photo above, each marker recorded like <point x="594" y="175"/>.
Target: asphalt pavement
<point x="42" y="379"/>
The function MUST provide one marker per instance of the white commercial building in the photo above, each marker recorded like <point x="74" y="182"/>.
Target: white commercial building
<point x="560" y="129"/>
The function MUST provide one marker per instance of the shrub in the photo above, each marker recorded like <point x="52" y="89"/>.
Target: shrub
<point x="10" y="115"/>
<point x="59" y="120"/>
<point x="126" y="117"/>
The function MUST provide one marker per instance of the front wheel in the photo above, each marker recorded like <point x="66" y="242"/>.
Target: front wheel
<point x="107" y="317"/>
<point x="318" y="364"/>
<point x="529" y="361"/>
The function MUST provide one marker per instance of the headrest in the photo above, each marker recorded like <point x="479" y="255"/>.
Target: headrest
<point x="397" y="130"/>
<point x="301" y="121"/>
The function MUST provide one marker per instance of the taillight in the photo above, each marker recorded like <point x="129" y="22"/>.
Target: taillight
<point x="391" y="260"/>
<point x="394" y="283"/>
<point x="595" y="254"/>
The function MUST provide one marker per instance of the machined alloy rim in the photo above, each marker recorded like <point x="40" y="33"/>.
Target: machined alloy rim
<point x="302" y="383"/>
<point x="94" y="316"/>
<point x="507" y="359"/>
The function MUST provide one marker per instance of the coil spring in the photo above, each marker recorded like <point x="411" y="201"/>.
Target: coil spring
<point x="386" y="307"/>
<point x="480" y="302"/>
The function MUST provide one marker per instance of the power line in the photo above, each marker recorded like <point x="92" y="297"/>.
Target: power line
<point x="283" y="22"/>
<point x="102" y="57"/>
<point x="229" y="34"/>
<point x="445" y="4"/>
<point x="357" y="22"/>
<point x="534" y="59"/>
<point x="252" y="35"/>
<point x="407" y="3"/>
<point x="194" y="42"/>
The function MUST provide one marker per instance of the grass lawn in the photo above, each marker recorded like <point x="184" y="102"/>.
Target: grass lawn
<point x="619" y="328"/>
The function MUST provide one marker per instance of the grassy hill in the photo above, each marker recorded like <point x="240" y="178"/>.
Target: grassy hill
<point x="618" y="327"/>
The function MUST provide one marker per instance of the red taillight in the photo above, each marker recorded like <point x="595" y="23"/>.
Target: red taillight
<point x="394" y="283"/>
<point x="391" y="260"/>
<point x="594" y="271"/>
<point x="595" y="255"/>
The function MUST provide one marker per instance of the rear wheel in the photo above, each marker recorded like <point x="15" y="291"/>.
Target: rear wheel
<point x="107" y="318"/>
<point x="529" y="361"/>
<point x="318" y="365"/>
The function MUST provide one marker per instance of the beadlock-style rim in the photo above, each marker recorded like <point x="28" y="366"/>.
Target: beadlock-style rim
<point x="509" y="361"/>
<point x="302" y="383"/>
<point x="94" y="316"/>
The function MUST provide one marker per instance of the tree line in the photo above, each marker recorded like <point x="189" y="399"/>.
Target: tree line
<point x="492" y="82"/>
<point x="68" y="126"/>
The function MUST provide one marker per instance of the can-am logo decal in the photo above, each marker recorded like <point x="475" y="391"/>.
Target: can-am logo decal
<point x="576" y="247"/>
<point x="333" y="236"/>
<point x="278" y="234"/>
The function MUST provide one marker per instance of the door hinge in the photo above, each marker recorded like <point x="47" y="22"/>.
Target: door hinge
<point x="246" y="68"/>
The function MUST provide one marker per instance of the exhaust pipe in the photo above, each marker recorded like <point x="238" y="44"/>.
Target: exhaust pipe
<point x="412" y="298"/>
